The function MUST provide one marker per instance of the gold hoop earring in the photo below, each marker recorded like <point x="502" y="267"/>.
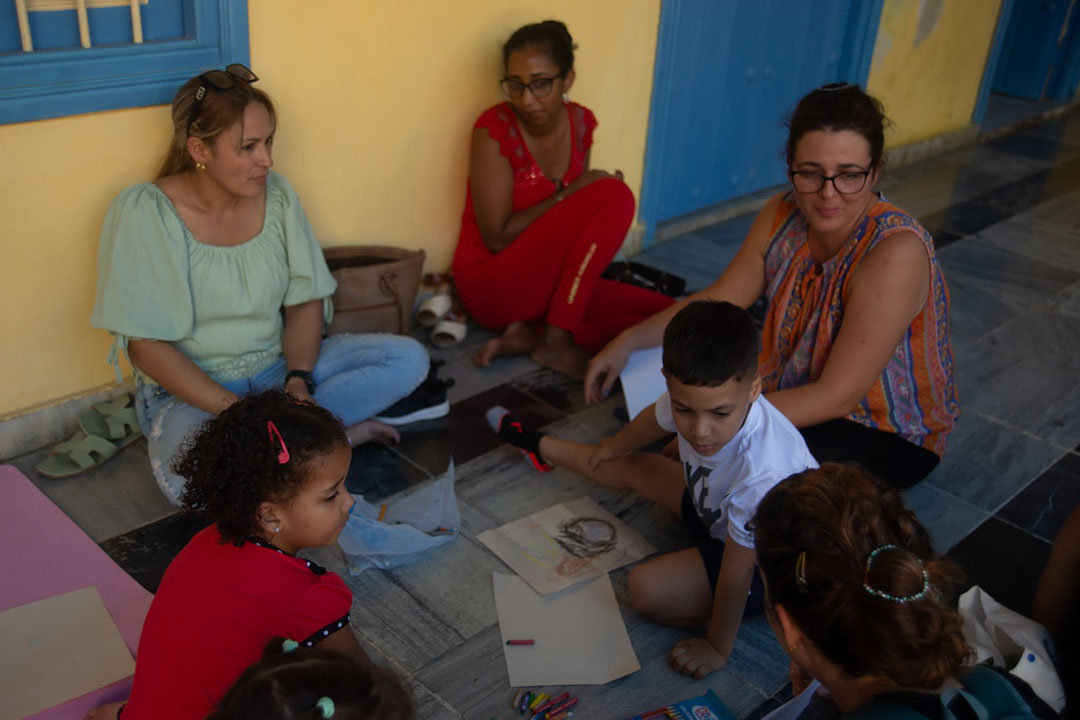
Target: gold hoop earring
<point x="199" y="166"/>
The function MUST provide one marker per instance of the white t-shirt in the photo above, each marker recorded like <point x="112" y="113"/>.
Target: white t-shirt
<point x="726" y="487"/>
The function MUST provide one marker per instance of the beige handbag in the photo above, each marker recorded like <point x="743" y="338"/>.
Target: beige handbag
<point x="376" y="288"/>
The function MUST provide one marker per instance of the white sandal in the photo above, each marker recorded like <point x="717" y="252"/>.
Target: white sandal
<point x="433" y="309"/>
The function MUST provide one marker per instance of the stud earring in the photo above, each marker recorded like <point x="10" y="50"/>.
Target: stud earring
<point x="793" y="648"/>
<point x="277" y="530"/>
<point x="199" y="166"/>
<point x="566" y="97"/>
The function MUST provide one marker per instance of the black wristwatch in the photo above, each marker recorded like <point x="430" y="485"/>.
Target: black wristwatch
<point x="304" y="375"/>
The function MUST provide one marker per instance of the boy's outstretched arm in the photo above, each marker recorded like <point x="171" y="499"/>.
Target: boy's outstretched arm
<point x="700" y="656"/>
<point x="640" y="431"/>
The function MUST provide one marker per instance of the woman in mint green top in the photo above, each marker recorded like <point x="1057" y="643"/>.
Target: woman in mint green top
<point x="211" y="279"/>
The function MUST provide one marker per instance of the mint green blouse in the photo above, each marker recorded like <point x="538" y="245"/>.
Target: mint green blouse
<point x="220" y="306"/>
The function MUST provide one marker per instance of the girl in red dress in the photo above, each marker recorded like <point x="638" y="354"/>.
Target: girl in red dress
<point x="269" y="473"/>
<point x="539" y="226"/>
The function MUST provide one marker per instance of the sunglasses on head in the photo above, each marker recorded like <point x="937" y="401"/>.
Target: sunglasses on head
<point x="219" y="81"/>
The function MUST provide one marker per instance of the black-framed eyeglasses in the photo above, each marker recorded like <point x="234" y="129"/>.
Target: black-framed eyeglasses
<point x="219" y="81"/>
<point x="540" y="87"/>
<point x="845" y="183"/>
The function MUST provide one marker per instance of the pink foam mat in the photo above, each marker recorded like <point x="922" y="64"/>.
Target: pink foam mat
<point x="47" y="554"/>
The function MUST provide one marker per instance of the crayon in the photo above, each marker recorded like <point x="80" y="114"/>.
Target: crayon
<point x="561" y="707"/>
<point x="552" y="703"/>
<point x="541" y="697"/>
<point x="382" y="512"/>
<point x="517" y="700"/>
<point x="523" y="641"/>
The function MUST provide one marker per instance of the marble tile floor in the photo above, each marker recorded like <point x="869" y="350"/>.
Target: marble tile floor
<point x="1006" y="216"/>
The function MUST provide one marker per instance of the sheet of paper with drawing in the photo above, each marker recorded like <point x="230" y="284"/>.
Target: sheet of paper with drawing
<point x="643" y="379"/>
<point x="565" y="544"/>
<point x="579" y="637"/>
<point x="57" y="649"/>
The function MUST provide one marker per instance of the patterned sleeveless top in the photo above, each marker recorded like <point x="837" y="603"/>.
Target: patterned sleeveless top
<point x="530" y="184"/>
<point x="915" y="397"/>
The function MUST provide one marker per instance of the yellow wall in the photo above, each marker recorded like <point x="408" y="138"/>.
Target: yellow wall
<point x="928" y="63"/>
<point x="376" y="102"/>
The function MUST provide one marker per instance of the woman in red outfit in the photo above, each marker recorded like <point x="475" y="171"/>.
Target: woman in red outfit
<point x="540" y="227"/>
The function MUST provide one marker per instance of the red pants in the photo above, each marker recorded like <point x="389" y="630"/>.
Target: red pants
<point x="551" y="272"/>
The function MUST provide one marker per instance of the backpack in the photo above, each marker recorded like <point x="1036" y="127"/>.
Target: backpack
<point x="986" y="694"/>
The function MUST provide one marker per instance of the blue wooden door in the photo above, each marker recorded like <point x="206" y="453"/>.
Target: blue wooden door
<point x="727" y="72"/>
<point x="1033" y="48"/>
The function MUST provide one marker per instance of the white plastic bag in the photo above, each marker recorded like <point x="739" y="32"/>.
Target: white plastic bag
<point x="406" y="531"/>
<point x="1008" y="640"/>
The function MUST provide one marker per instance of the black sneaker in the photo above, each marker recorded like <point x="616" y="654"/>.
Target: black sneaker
<point x="427" y="402"/>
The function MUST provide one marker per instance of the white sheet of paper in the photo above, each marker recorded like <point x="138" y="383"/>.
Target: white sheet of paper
<point x="580" y="635"/>
<point x="793" y="708"/>
<point x="565" y="544"/>
<point x="57" y="649"/>
<point x="643" y="380"/>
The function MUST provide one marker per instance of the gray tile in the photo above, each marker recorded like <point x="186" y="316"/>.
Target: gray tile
<point x="1000" y="377"/>
<point x="988" y="462"/>
<point x="996" y="161"/>
<point x="928" y="188"/>
<point x="454" y="583"/>
<point x="758" y="658"/>
<point x="976" y="310"/>
<point x="386" y="616"/>
<point x="1066" y="302"/>
<point x="1029" y="235"/>
<point x="430" y="706"/>
<point x="948" y="519"/>
<point x="1008" y="274"/>
<point x="1060" y="211"/>
<point x="110" y="500"/>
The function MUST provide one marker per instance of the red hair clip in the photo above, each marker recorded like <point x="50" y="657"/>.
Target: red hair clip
<point x="275" y="438"/>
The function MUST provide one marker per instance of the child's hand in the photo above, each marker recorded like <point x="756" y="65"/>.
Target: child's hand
<point x="605" y="451"/>
<point x="696" y="657"/>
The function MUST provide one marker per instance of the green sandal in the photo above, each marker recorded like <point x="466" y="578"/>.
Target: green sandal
<point x="113" y="420"/>
<point x="78" y="455"/>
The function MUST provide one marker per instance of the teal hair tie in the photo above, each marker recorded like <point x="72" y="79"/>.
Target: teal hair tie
<point x="884" y="595"/>
<point x="327" y="706"/>
<point x="289" y="645"/>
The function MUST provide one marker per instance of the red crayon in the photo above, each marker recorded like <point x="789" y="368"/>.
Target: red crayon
<point x="561" y="707"/>
<point x="552" y="703"/>
<point x="521" y="642"/>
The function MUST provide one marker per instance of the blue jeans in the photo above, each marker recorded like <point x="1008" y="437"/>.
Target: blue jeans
<point x="356" y="376"/>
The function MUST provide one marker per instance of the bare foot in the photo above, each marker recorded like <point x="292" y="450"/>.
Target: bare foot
<point x="518" y="339"/>
<point x="556" y="350"/>
<point x="372" y="431"/>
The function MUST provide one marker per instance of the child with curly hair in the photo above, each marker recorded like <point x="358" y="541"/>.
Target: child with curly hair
<point x="294" y="683"/>
<point x="269" y="473"/>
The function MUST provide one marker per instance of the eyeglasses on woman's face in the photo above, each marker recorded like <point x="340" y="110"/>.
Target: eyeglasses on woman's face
<point x="219" y="81"/>
<point x="540" y="87"/>
<point x="845" y="183"/>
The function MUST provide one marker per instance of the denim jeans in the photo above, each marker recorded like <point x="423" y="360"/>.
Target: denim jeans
<point x="356" y="376"/>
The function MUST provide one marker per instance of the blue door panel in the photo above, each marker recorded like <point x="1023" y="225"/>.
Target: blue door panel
<point x="1031" y="50"/>
<point x="727" y="73"/>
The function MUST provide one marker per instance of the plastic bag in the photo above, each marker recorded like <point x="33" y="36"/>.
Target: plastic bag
<point x="413" y="524"/>
<point x="1006" y="639"/>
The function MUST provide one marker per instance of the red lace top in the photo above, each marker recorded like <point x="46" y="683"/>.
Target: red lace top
<point x="530" y="184"/>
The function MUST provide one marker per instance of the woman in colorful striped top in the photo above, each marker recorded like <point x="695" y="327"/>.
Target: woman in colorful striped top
<point x="855" y="346"/>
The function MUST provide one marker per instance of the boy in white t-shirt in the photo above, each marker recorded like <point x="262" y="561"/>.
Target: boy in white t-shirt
<point x="733" y="447"/>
